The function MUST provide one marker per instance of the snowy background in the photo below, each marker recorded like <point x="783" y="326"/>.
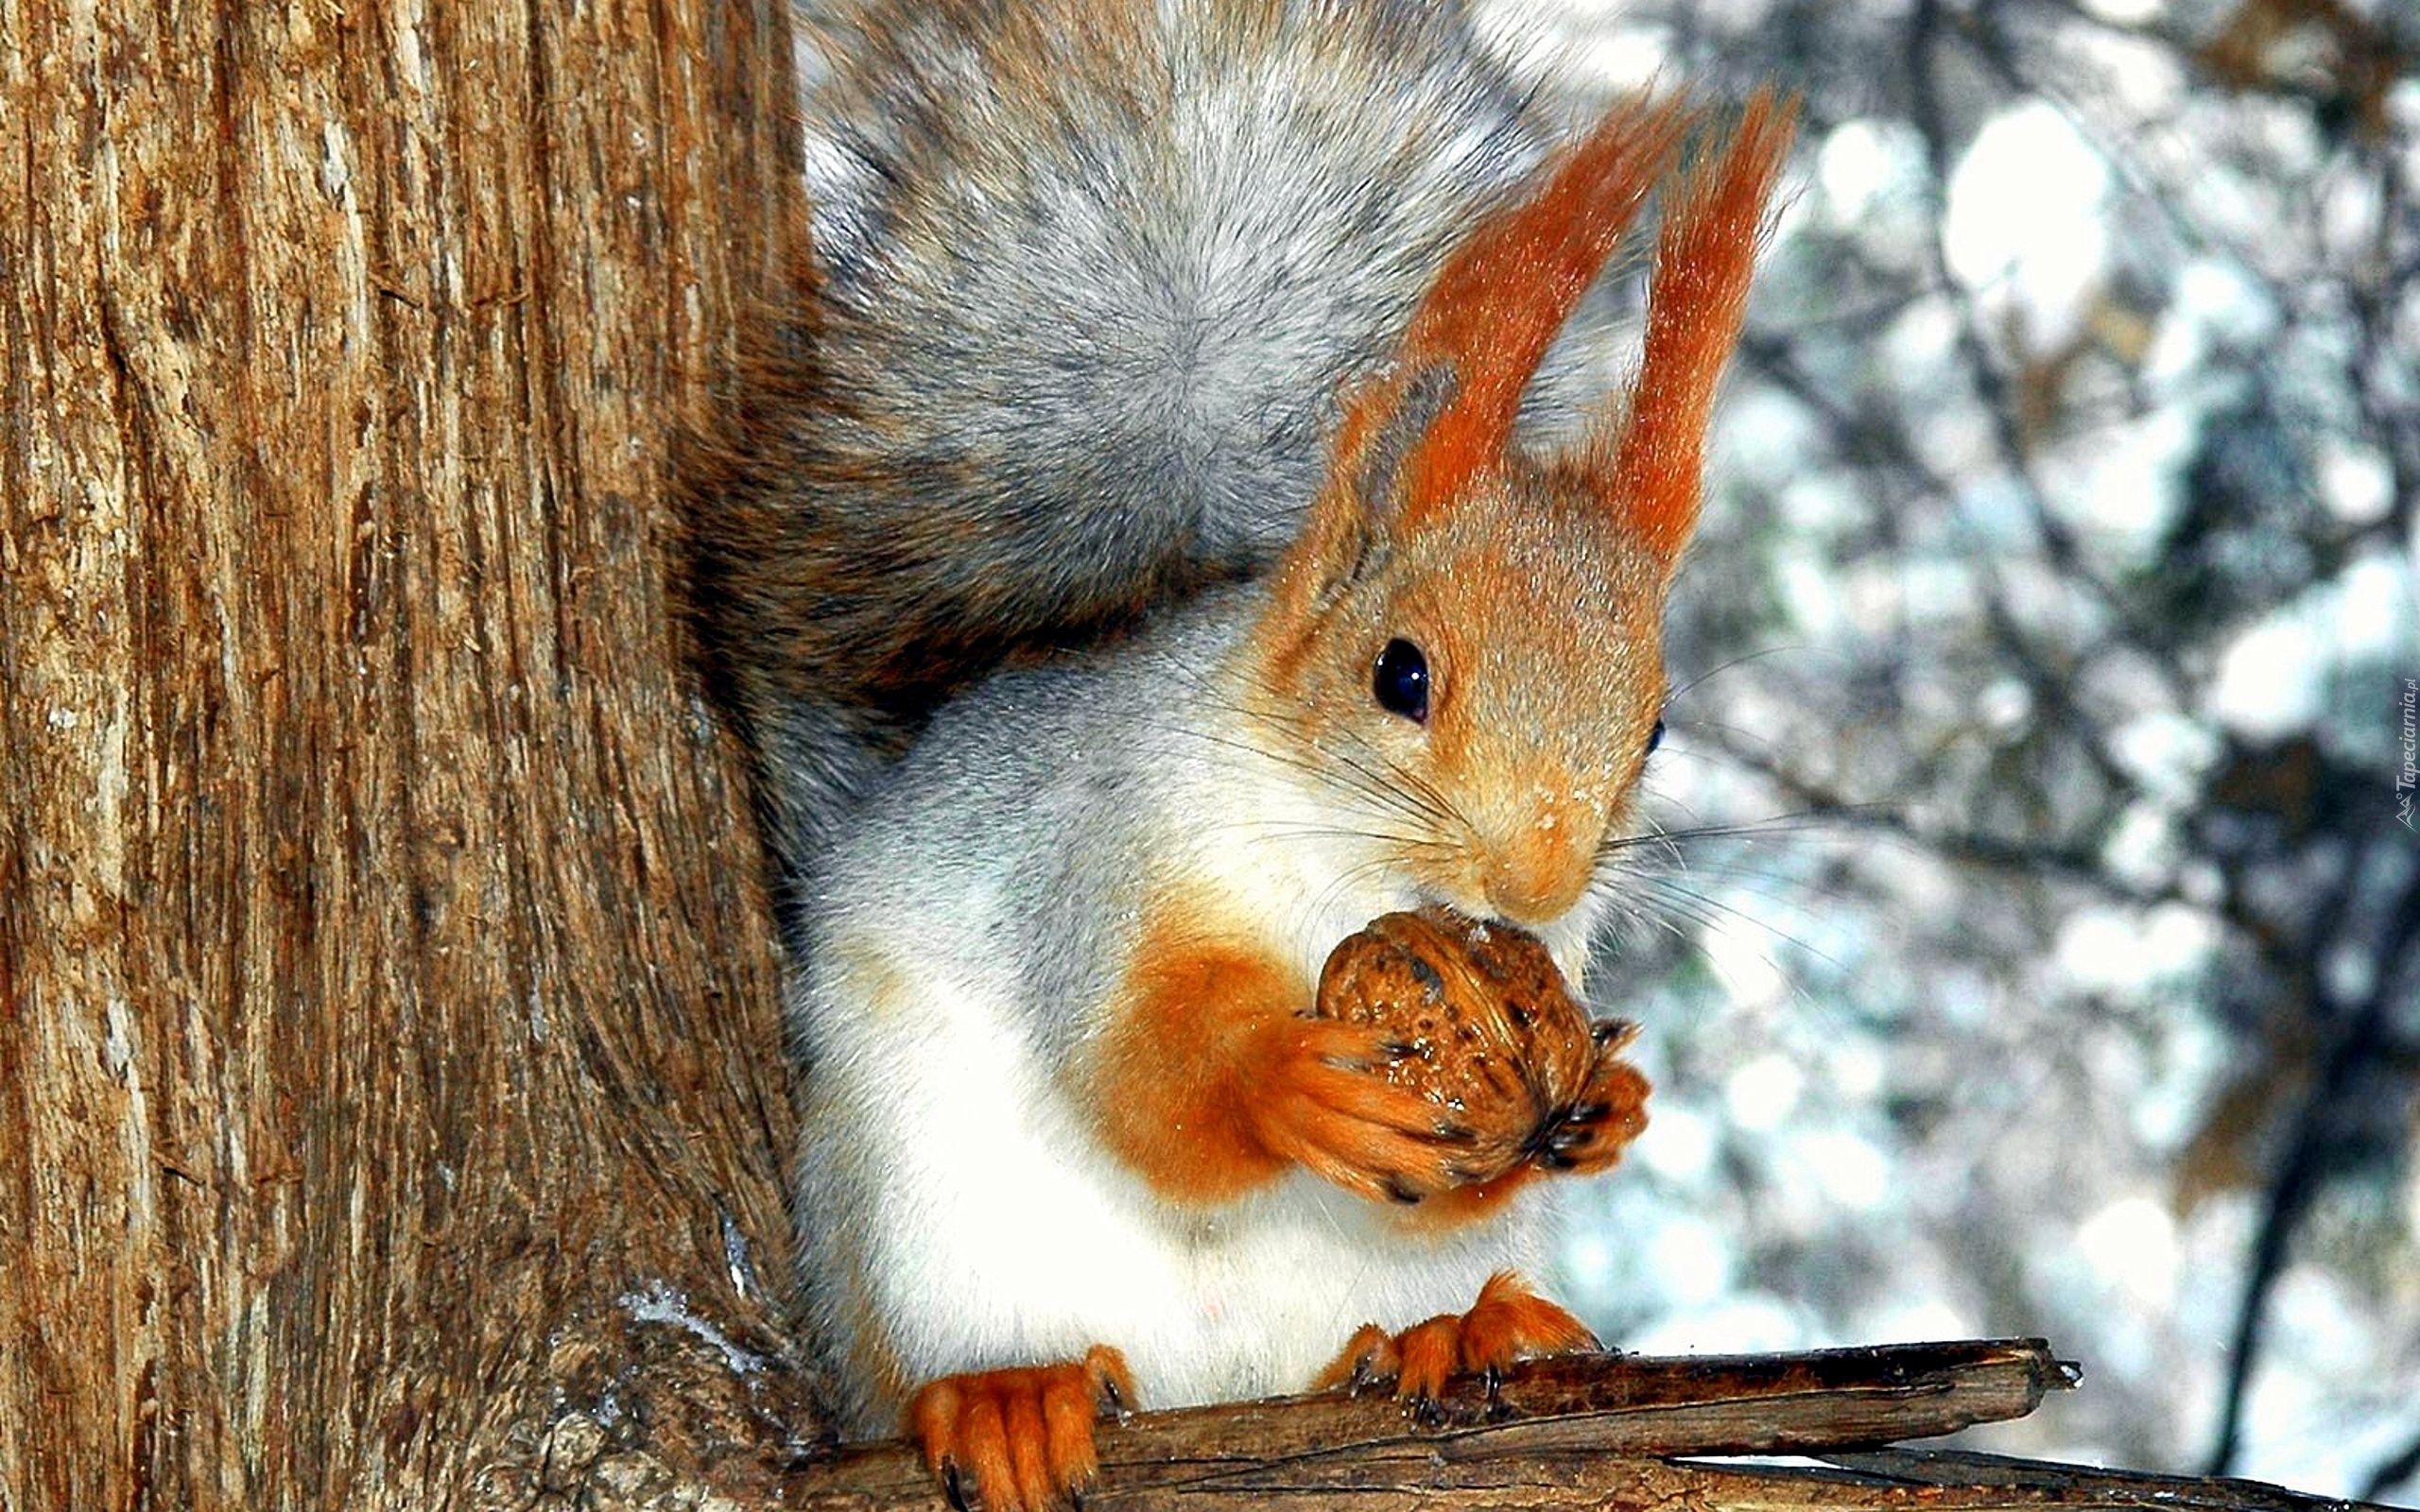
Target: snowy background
<point x="2047" y="648"/>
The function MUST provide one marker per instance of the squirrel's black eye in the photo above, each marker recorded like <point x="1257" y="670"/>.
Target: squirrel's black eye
<point x="1402" y="681"/>
<point x="1655" y="737"/>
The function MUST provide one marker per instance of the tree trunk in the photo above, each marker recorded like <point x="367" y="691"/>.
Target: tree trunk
<point x="387" y="1034"/>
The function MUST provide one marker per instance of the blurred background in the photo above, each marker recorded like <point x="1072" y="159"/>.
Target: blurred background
<point x="2036" y="950"/>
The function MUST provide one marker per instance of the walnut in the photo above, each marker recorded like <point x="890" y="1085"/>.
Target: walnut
<point x="1485" y="1027"/>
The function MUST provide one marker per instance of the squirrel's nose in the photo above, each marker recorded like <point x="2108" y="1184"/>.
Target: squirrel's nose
<point x="1539" y="875"/>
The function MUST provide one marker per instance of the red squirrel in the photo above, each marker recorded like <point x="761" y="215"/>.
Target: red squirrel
<point x="1135" y="575"/>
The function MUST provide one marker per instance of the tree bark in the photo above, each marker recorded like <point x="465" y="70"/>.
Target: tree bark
<point x="387" y="1039"/>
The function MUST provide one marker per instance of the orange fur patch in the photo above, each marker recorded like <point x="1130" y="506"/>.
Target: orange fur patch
<point x="1512" y="1322"/>
<point x="1698" y="299"/>
<point x="1174" y="1081"/>
<point x="1508" y="289"/>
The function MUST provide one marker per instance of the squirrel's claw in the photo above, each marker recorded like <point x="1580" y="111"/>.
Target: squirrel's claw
<point x="1508" y="1322"/>
<point x="1023" y="1435"/>
<point x="1591" y="1134"/>
<point x="1369" y="1357"/>
<point x="1114" y="1385"/>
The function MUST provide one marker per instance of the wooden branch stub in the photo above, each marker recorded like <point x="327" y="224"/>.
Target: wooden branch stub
<point x="1949" y="1481"/>
<point x="1543" y="1423"/>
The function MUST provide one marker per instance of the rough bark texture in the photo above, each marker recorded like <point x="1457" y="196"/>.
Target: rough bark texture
<point x="1579" y="1480"/>
<point x="387" y="1027"/>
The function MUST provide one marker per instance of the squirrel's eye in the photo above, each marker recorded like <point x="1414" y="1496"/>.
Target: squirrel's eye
<point x="1401" y="681"/>
<point x="1655" y="737"/>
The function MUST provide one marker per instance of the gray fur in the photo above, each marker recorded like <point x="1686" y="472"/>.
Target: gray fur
<point x="1143" y="322"/>
<point x="1023" y="810"/>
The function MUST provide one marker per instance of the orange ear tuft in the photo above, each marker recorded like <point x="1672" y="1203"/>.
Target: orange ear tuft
<point x="1510" y="287"/>
<point x="1698" y="297"/>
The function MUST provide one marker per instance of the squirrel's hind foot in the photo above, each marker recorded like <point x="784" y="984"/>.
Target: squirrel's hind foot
<point x="1507" y="1323"/>
<point x="1023" y="1435"/>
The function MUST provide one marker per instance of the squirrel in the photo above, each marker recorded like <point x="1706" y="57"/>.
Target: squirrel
<point x="1133" y="570"/>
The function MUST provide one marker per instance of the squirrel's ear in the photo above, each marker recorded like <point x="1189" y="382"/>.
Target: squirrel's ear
<point x="1651" y="473"/>
<point x="1508" y="288"/>
<point x="1384" y="418"/>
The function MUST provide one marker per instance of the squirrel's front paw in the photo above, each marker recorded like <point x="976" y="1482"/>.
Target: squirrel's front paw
<point x="1324" y="1099"/>
<point x="1024" y="1436"/>
<point x="1508" y="1322"/>
<point x="1591" y="1132"/>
